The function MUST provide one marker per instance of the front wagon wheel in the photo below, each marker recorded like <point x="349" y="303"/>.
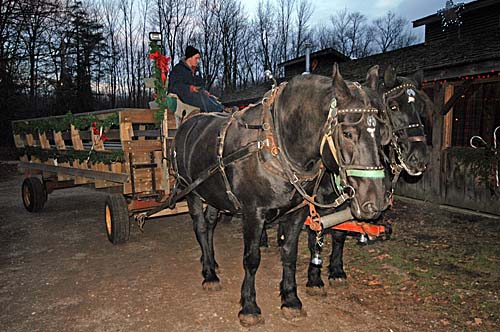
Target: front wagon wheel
<point x="117" y="219"/>
<point x="34" y="194"/>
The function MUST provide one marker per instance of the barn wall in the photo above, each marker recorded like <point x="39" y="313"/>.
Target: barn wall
<point x="460" y="187"/>
<point x="447" y="180"/>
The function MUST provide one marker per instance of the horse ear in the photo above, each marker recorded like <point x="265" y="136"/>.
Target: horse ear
<point x="385" y="134"/>
<point x="342" y="91"/>
<point x="390" y="77"/>
<point x="372" y="77"/>
<point x="419" y="78"/>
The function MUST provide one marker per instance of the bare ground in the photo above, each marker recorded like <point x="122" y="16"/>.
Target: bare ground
<point x="58" y="272"/>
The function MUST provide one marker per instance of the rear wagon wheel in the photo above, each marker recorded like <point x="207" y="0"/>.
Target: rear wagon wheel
<point x="33" y="194"/>
<point x="117" y="219"/>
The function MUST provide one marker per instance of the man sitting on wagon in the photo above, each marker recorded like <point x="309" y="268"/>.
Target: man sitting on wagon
<point x="187" y="84"/>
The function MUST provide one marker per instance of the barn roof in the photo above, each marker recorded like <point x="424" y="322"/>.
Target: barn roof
<point x="467" y="8"/>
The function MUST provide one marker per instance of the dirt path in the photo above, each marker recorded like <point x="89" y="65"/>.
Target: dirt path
<point x="58" y="272"/>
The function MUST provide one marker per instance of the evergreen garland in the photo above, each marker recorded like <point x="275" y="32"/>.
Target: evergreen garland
<point x="480" y="161"/>
<point x="160" y="89"/>
<point x="63" y="123"/>
<point x="70" y="155"/>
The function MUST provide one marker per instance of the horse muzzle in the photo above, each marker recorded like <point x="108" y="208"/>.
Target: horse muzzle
<point x="416" y="161"/>
<point x="368" y="210"/>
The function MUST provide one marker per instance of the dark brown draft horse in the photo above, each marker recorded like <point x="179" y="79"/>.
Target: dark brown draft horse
<point x="262" y="162"/>
<point x="405" y="104"/>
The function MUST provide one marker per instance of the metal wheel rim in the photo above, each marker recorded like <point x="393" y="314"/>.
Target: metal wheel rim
<point x="108" y="219"/>
<point x="26" y="195"/>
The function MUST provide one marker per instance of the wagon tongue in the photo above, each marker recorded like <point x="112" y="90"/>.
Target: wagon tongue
<point x="343" y="221"/>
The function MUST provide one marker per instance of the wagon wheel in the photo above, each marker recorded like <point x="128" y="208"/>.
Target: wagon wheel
<point x="117" y="219"/>
<point x="34" y="194"/>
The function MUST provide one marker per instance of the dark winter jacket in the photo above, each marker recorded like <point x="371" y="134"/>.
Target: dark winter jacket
<point x="181" y="77"/>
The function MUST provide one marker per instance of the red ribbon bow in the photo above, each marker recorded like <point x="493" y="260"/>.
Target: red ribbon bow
<point x="162" y="63"/>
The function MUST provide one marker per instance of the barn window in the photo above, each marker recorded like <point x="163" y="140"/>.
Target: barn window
<point x="477" y="113"/>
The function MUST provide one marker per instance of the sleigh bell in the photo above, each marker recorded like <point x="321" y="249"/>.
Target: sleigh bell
<point x="317" y="260"/>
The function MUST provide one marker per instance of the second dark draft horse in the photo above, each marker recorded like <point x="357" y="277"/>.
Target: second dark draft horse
<point x="262" y="162"/>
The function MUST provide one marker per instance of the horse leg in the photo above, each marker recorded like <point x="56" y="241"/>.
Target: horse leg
<point x="336" y="268"/>
<point x="201" y="229"/>
<point x="250" y="313"/>
<point x="291" y="306"/>
<point x="264" y="242"/>
<point x="315" y="285"/>
<point x="212" y="217"/>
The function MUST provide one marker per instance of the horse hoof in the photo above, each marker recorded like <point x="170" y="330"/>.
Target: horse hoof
<point x="250" y="320"/>
<point x="316" y="291"/>
<point x="338" y="282"/>
<point x="211" y="286"/>
<point x="293" y="313"/>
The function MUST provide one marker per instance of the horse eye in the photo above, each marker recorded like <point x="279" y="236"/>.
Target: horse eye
<point x="348" y="134"/>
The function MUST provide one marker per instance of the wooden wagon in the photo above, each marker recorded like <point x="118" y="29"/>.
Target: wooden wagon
<point x="122" y="151"/>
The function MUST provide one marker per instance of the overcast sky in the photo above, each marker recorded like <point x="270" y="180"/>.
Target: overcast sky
<point x="410" y="9"/>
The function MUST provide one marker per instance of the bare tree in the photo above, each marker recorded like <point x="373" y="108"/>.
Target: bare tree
<point x="207" y="38"/>
<point x="392" y="32"/>
<point x="304" y="12"/>
<point x="108" y="10"/>
<point x="267" y="32"/>
<point x="175" y="15"/>
<point x="230" y="22"/>
<point x="285" y="11"/>
<point x="37" y="16"/>
<point x="351" y="34"/>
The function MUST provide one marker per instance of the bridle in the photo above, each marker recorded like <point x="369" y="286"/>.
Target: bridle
<point x="331" y="129"/>
<point x="331" y="135"/>
<point x="400" y="134"/>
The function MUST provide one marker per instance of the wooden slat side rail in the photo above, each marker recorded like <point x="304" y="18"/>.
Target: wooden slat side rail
<point x="141" y="146"/>
<point x="126" y="134"/>
<point x="137" y="116"/>
<point x="45" y="144"/>
<point x="76" y="140"/>
<point x="61" y="146"/>
<point x="98" y="145"/>
<point x="87" y="173"/>
<point x="19" y="142"/>
<point x="30" y="141"/>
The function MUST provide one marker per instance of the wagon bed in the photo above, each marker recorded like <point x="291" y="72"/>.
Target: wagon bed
<point x="122" y="151"/>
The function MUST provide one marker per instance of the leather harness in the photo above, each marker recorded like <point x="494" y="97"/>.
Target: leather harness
<point x="269" y="142"/>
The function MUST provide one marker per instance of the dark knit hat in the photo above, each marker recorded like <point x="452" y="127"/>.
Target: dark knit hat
<point x="191" y="51"/>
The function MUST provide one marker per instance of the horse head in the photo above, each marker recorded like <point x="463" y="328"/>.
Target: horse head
<point x="405" y="105"/>
<point x="327" y="119"/>
<point x="361" y="131"/>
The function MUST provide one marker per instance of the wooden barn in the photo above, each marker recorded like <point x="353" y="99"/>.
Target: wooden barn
<point x="461" y="64"/>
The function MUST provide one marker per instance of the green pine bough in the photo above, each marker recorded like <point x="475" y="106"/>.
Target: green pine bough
<point x="480" y="162"/>
<point x="160" y="90"/>
<point x="70" y="155"/>
<point x="63" y="123"/>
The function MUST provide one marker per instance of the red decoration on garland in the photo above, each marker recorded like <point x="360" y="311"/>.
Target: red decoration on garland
<point x="162" y="62"/>
<point x="98" y="132"/>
